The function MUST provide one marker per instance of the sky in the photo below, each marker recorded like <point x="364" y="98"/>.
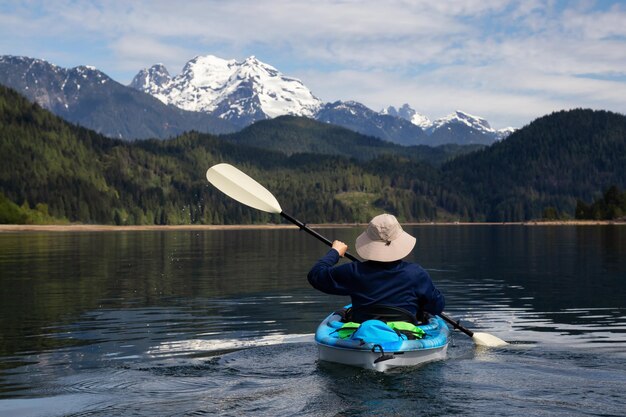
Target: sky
<point x="507" y="61"/>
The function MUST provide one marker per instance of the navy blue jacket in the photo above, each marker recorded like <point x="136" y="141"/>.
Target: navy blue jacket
<point x="399" y="284"/>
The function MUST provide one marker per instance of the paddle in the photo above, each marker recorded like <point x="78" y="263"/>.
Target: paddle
<point x="480" y="339"/>
<point x="239" y="186"/>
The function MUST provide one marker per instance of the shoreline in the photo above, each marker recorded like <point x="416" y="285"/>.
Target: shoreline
<point x="110" y="228"/>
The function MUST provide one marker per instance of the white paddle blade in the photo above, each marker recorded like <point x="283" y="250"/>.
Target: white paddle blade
<point x="488" y="340"/>
<point x="242" y="188"/>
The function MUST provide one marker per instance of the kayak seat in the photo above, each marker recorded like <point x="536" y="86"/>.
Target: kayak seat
<point x="380" y="312"/>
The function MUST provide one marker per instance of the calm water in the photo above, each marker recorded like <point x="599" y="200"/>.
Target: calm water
<point x="221" y="322"/>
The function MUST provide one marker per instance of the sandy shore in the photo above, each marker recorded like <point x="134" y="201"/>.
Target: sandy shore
<point x="108" y="228"/>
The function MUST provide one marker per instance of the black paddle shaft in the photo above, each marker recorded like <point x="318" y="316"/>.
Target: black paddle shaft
<point x="456" y="324"/>
<point x="313" y="233"/>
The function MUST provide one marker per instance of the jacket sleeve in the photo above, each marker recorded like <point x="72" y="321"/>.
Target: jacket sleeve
<point x="325" y="278"/>
<point x="431" y="299"/>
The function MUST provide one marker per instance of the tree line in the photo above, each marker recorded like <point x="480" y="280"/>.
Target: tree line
<point x="611" y="206"/>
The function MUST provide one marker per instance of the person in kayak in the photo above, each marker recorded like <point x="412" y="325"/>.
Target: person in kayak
<point x="384" y="286"/>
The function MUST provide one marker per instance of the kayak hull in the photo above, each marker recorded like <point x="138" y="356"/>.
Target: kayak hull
<point x="368" y="354"/>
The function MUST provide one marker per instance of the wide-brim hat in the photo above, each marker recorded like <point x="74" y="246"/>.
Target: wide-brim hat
<point x="384" y="240"/>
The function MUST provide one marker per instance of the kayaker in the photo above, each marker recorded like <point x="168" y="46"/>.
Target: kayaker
<point x="384" y="286"/>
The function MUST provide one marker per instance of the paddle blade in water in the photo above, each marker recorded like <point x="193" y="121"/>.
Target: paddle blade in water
<point x="242" y="188"/>
<point x="488" y="340"/>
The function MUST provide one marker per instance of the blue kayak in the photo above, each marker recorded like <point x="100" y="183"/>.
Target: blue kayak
<point x="377" y="352"/>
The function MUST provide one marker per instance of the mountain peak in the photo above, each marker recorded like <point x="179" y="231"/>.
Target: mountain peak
<point x="461" y="117"/>
<point x="152" y="79"/>
<point x="252" y="60"/>
<point x="89" y="72"/>
<point x="406" y="112"/>
<point x="243" y="92"/>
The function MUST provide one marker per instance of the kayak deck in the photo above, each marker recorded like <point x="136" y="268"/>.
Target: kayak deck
<point x="377" y="355"/>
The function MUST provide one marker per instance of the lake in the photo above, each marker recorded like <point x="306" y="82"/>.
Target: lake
<point x="220" y="322"/>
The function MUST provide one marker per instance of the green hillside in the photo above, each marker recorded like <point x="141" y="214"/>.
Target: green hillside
<point x="55" y="169"/>
<point x="291" y="134"/>
<point x="553" y="162"/>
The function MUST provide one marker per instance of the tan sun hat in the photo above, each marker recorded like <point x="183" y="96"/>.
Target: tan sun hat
<point x="384" y="240"/>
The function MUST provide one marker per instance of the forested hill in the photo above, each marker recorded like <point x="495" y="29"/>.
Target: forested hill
<point x="292" y="134"/>
<point x="76" y="174"/>
<point x="552" y="162"/>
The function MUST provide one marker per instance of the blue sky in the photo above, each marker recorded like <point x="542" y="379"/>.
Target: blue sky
<point x="508" y="61"/>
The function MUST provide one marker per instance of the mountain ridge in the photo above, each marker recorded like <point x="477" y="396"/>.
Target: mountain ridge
<point x="214" y="95"/>
<point x="207" y="82"/>
<point x="87" y="96"/>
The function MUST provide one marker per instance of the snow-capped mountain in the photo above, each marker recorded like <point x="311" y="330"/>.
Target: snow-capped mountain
<point x="52" y="87"/>
<point x="215" y="95"/>
<point x="241" y="92"/>
<point x="460" y="117"/>
<point x="359" y="118"/>
<point x="457" y="127"/>
<point x="478" y="127"/>
<point x="89" y="97"/>
<point x="407" y="113"/>
<point x="248" y="91"/>
<point x="151" y="80"/>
